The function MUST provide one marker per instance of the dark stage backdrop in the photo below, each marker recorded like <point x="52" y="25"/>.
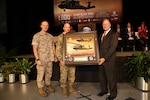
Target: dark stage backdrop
<point x="3" y="17"/>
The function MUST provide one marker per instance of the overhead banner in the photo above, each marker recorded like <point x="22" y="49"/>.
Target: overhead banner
<point x="80" y="11"/>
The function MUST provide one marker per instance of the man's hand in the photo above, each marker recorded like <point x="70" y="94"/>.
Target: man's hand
<point x="62" y="63"/>
<point x="101" y="61"/>
<point x="39" y="63"/>
<point x="55" y="59"/>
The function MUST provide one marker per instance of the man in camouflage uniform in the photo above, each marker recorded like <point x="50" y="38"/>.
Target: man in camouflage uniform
<point x="66" y="72"/>
<point x="44" y="52"/>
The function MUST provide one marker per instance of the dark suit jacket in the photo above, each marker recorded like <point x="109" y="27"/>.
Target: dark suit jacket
<point x="126" y="36"/>
<point x="108" y="47"/>
<point x="121" y="32"/>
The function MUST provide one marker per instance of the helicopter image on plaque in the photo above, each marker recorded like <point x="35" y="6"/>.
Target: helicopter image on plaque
<point x="81" y="47"/>
<point x="81" y="39"/>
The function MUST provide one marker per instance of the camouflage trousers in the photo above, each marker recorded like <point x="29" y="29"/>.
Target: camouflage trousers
<point x="44" y="74"/>
<point x="67" y="75"/>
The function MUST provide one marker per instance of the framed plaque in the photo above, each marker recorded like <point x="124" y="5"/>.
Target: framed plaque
<point x="81" y="48"/>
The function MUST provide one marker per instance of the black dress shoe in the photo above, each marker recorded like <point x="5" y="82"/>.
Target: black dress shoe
<point x="110" y="97"/>
<point x="101" y="94"/>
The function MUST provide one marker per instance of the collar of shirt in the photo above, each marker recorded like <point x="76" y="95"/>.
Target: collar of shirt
<point x="107" y="31"/>
<point x="42" y="33"/>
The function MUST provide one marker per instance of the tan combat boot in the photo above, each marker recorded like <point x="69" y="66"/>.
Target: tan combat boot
<point x="42" y="92"/>
<point x="50" y="89"/>
<point x="72" y="90"/>
<point x="64" y="92"/>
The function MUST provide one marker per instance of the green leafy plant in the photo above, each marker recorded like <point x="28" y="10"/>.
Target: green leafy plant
<point x="24" y="65"/>
<point x="8" y="68"/>
<point x="138" y="66"/>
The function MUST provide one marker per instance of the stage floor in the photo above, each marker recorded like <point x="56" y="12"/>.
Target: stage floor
<point x="86" y="91"/>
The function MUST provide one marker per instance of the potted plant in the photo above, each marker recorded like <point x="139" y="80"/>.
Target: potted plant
<point x="2" y="60"/>
<point x="3" y="55"/>
<point x="138" y="70"/>
<point x="24" y="66"/>
<point x="9" y="70"/>
<point x="1" y="75"/>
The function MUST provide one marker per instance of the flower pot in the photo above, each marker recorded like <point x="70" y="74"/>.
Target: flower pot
<point x="1" y="77"/>
<point x="24" y="78"/>
<point x="11" y="78"/>
<point x="142" y="85"/>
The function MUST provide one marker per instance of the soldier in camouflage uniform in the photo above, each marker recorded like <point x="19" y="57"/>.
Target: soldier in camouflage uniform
<point x="66" y="72"/>
<point x="44" y="52"/>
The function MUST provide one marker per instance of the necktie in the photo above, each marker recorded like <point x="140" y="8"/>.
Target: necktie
<point x="103" y="36"/>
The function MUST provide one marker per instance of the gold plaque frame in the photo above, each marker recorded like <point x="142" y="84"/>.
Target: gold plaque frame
<point x="81" y="48"/>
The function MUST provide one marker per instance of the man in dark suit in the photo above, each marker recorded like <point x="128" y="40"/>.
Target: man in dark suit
<point x="107" y="68"/>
